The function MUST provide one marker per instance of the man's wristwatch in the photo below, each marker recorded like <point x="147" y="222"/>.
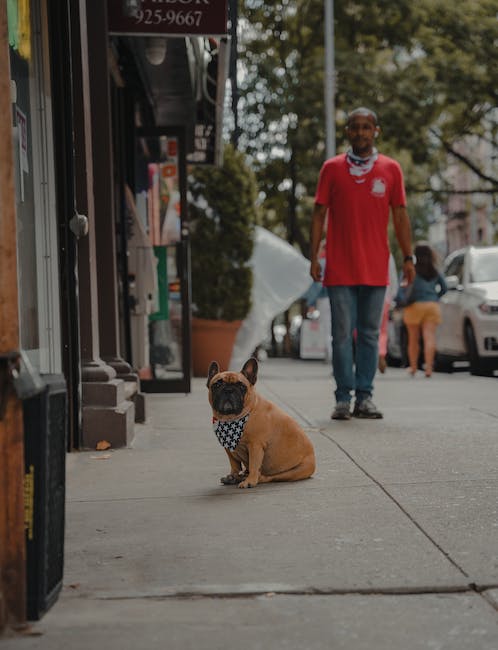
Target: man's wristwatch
<point x="409" y="258"/>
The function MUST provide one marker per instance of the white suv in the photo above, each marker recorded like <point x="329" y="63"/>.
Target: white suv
<point x="469" y="330"/>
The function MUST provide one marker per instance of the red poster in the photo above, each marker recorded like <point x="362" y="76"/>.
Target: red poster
<point x="181" y="17"/>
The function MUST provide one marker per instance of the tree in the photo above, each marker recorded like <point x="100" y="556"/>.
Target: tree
<point x="282" y="112"/>
<point x="428" y="68"/>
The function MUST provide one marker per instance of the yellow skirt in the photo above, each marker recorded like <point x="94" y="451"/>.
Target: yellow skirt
<point x="422" y="312"/>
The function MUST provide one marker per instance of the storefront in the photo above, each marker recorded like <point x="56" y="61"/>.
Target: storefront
<point x="37" y="246"/>
<point x="101" y="132"/>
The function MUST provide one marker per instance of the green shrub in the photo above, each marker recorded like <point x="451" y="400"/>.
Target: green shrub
<point x="222" y="206"/>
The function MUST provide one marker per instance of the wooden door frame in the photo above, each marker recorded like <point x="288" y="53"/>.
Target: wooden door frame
<point x="12" y="536"/>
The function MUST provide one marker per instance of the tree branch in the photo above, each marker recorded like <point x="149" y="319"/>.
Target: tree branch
<point x="464" y="159"/>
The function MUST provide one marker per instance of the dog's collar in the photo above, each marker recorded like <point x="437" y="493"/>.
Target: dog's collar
<point x="229" y="432"/>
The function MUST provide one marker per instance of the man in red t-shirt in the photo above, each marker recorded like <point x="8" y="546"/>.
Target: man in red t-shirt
<point x="358" y="189"/>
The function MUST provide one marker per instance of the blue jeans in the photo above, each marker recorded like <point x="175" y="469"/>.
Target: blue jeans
<point x="358" y="307"/>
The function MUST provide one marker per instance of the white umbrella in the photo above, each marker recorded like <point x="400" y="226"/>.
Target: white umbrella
<point x="280" y="276"/>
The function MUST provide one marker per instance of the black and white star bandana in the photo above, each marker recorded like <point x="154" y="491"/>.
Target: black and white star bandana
<point x="229" y="432"/>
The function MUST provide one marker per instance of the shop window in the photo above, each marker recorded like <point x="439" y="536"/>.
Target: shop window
<point x="37" y="248"/>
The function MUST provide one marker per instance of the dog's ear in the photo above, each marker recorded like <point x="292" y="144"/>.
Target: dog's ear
<point x="250" y="370"/>
<point x="213" y="370"/>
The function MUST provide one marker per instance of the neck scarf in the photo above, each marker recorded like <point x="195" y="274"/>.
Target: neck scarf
<point x="358" y="166"/>
<point x="229" y="432"/>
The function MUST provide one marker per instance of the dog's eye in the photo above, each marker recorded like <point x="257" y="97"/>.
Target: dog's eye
<point x="242" y="387"/>
<point x="218" y="384"/>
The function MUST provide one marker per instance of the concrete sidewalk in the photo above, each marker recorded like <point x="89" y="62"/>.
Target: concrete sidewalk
<point x="393" y="544"/>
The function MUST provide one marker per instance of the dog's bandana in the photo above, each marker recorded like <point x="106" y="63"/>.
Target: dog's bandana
<point x="229" y="432"/>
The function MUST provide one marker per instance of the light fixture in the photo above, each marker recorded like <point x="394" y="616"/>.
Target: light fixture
<point x="155" y="49"/>
<point x="131" y="7"/>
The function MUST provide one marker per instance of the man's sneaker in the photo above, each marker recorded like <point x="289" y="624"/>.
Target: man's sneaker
<point x="367" y="409"/>
<point x="341" y="411"/>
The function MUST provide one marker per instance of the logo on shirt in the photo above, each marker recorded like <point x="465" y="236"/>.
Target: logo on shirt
<point x="378" y="187"/>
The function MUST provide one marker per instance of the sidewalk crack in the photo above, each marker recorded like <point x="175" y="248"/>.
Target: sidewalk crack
<point x="309" y="591"/>
<point x="398" y="504"/>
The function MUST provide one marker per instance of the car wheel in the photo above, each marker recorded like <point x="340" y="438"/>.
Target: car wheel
<point x="477" y="365"/>
<point x="442" y="363"/>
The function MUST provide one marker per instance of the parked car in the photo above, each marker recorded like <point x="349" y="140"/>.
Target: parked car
<point x="276" y="346"/>
<point x="469" y="330"/>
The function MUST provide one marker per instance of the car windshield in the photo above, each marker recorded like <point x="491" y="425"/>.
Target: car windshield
<point x="484" y="266"/>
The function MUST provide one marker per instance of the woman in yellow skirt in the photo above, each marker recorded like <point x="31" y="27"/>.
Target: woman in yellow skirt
<point x="423" y="314"/>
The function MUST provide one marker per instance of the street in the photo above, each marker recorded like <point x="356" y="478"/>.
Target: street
<point x="392" y="545"/>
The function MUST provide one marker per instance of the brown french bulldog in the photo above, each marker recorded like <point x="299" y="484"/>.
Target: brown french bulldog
<point x="262" y="442"/>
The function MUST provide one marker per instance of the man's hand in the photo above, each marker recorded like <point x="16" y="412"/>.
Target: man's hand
<point x="409" y="271"/>
<point x="402" y="228"/>
<point x="316" y="270"/>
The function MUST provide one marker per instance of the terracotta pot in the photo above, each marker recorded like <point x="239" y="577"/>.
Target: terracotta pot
<point x="212" y="340"/>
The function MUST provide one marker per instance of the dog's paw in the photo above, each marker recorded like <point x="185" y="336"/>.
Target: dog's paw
<point x="233" y="479"/>
<point x="230" y="479"/>
<point x="248" y="484"/>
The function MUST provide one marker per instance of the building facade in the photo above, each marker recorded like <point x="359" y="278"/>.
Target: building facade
<point x="470" y="216"/>
<point x="108" y="105"/>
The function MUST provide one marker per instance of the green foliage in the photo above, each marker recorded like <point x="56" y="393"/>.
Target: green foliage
<point x="222" y="211"/>
<point x="428" y="68"/>
<point x="283" y="112"/>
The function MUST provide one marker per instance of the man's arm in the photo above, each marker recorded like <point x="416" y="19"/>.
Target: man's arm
<point x="316" y="234"/>
<point x="403" y="230"/>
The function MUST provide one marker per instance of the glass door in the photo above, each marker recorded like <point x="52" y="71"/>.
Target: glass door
<point x="160" y="297"/>
<point x="37" y="246"/>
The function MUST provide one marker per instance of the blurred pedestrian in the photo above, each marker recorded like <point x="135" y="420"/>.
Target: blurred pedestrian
<point x="358" y="189"/>
<point x="316" y="290"/>
<point x="423" y="314"/>
<point x="391" y="291"/>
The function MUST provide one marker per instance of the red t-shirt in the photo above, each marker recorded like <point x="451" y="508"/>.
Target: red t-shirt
<point x="358" y="215"/>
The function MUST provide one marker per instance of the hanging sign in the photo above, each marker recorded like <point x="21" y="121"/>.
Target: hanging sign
<point x="170" y="17"/>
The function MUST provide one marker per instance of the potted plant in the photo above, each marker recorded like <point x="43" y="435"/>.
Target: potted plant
<point x="222" y="213"/>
